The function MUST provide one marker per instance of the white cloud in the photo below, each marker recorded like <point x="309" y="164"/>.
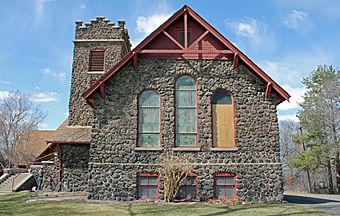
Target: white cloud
<point x="257" y="34"/>
<point x="248" y="28"/>
<point x="59" y="75"/>
<point x="82" y="6"/>
<point x="43" y="97"/>
<point x="291" y="117"/>
<point x="146" y="25"/>
<point x="298" y="21"/>
<point x="4" y="94"/>
<point x="296" y="98"/>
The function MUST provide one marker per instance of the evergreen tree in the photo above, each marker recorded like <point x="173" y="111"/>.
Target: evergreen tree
<point x="319" y="119"/>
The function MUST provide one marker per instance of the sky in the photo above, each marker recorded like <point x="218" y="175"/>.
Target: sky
<point x="287" y="39"/>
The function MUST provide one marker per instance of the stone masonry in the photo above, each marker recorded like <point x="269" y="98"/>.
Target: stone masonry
<point x="74" y="167"/>
<point x="100" y="33"/>
<point x="114" y="160"/>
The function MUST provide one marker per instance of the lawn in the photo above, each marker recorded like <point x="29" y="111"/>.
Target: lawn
<point x="16" y="204"/>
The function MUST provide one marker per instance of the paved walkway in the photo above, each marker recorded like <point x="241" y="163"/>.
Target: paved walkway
<point x="323" y="202"/>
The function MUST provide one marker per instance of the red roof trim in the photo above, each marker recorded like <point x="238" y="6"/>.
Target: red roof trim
<point x="89" y="93"/>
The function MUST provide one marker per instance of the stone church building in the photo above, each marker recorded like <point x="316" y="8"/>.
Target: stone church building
<point x="184" y="89"/>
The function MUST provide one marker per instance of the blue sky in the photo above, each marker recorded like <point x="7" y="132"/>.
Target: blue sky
<point x="287" y="39"/>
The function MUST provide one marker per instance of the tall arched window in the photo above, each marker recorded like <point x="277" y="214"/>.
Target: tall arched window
<point x="223" y="120"/>
<point x="149" y="119"/>
<point x="186" y="129"/>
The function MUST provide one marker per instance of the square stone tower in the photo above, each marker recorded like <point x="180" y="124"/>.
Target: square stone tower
<point x="98" y="46"/>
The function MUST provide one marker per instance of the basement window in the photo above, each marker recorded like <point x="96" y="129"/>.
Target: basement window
<point x="225" y="185"/>
<point x="187" y="188"/>
<point x="97" y="60"/>
<point x="148" y="186"/>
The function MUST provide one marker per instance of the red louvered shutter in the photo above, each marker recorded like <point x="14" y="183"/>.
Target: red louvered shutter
<point x="97" y="60"/>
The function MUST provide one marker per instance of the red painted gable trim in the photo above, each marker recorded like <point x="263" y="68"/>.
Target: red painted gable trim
<point x="88" y="95"/>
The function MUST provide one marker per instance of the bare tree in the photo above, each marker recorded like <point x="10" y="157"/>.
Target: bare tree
<point x="288" y="129"/>
<point x="173" y="170"/>
<point x="18" y="114"/>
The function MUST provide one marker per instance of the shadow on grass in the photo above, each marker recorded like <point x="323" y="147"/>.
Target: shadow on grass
<point x="228" y="209"/>
<point x="306" y="200"/>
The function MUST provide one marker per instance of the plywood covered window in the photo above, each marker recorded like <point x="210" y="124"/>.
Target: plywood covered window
<point x="148" y="186"/>
<point x="149" y="119"/>
<point x="186" y="115"/>
<point x="97" y="60"/>
<point x="225" y="185"/>
<point x="223" y="120"/>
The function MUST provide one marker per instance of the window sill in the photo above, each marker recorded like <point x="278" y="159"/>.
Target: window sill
<point x="224" y="149"/>
<point x="186" y="149"/>
<point x="96" y="72"/>
<point x="148" y="149"/>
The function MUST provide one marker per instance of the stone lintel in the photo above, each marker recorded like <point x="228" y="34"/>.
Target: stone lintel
<point x="147" y="149"/>
<point x="96" y="72"/>
<point x="186" y="149"/>
<point x="98" y="40"/>
<point x="224" y="149"/>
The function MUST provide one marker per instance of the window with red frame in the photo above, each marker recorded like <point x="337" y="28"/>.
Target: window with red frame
<point x="186" y="112"/>
<point x="149" y="119"/>
<point x="187" y="189"/>
<point x="225" y="186"/>
<point x="97" y="60"/>
<point x="148" y="186"/>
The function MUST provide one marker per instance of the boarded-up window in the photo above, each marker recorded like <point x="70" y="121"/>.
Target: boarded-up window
<point x="186" y="130"/>
<point x="148" y="186"/>
<point x="225" y="185"/>
<point x="97" y="60"/>
<point x="149" y="119"/>
<point x="223" y="120"/>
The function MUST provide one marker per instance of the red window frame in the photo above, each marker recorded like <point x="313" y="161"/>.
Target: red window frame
<point x="139" y="175"/>
<point x="196" y="112"/>
<point x="97" y="59"/>
<point x="160" y="119"/>
<point x="192" y="175"/>
<point x="225" y="186"/>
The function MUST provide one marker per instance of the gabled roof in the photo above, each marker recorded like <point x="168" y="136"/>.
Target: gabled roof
<point x="185" y="10"/>
<point x="71" y="134"/>
<point x="30" y="145"/>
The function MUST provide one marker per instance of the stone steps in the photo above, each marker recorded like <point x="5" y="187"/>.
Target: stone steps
<point x="12" y="182"/>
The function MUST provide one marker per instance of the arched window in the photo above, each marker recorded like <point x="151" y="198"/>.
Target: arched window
<point x="223" y="120"/>
<point x="149" y="119"/>
<point x="186" y="129"/>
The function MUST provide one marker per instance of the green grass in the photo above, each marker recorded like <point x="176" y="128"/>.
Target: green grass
<point x="16" y="204"/>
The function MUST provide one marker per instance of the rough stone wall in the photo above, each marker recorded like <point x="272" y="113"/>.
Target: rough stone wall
<point x="50" y="177"/>
<point x="114" y="161"/>
<point x="34" y="170"/>
<point x="100" y="33"/>
<point x="74" y="167"/>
